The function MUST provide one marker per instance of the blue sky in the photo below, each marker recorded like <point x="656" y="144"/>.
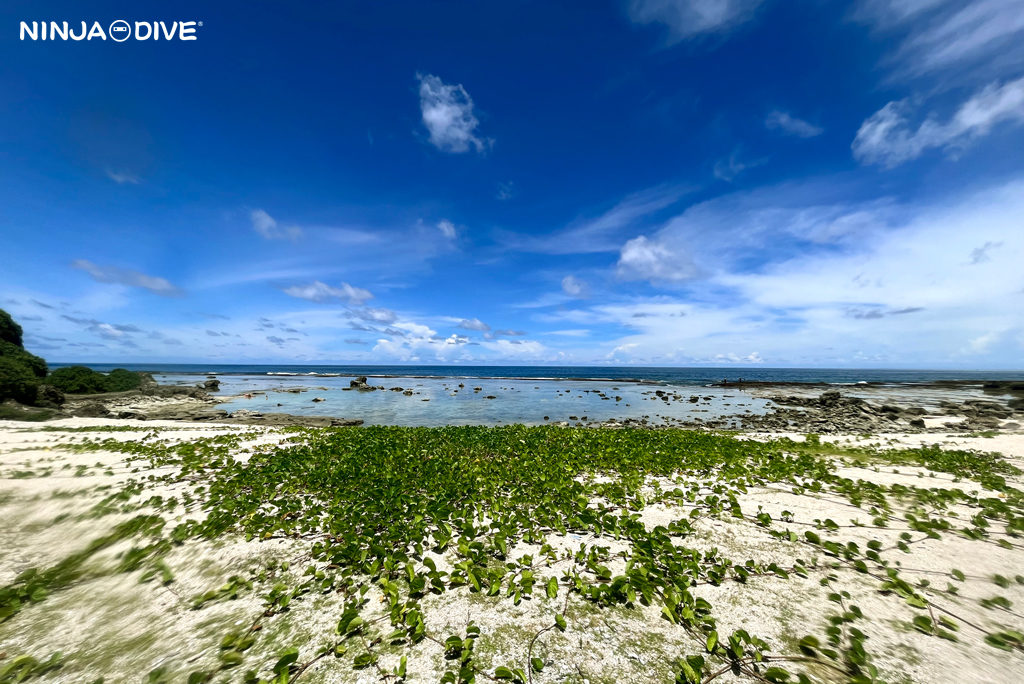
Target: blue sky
<point x="655" y="182"/>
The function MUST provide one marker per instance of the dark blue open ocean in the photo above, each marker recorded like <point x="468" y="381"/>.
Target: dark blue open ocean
<point x="673" y="376"/>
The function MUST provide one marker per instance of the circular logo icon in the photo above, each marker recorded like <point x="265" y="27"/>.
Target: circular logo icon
<point x="120" y="31"/>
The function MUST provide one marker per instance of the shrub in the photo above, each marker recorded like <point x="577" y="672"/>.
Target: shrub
<point x="78" y="380"/>
<point x="10" y="331"/>
<point x="36" y="365"/>
<point x="16" y="381"/>
<point x="121" y="380"/>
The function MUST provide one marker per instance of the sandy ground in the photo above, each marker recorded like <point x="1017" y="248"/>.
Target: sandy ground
<point x="109" y="624"/>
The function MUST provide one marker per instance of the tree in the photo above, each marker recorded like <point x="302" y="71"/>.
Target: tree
<point x="16" y="381"/>
<point x="78" y="380"/>
<point x="10" y="331"/>
<point x="9" y="350"/>
<point x="121" y="380"/>
<point x="19" y="370"/>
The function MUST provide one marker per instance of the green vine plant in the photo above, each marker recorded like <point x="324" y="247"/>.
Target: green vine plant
<point x="384" y="525"/>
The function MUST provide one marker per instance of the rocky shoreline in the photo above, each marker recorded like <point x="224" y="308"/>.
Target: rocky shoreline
<point x="153" y="401"/>
<point x="801" y="409"/>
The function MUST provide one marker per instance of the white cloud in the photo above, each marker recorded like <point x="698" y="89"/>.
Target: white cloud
<point x="448" y="115"/>
<point x="473" y="324"/>
<point x="124" y="276"/>
<point x="267" y="226"/>
<point x="574" y="287"/>
<point x="506" y="191"/>
<point x="888" y="138"/>
<point x="321" y="292"/>
<point x="899" y="279"/>
<point x="122" y="177"/>
<point x="604" y="233"/>
<point x="783" y="121"/>
<point x="517" y="349"/>
<point x="447" y="228"/>
<point x="645" y="259"/>
<point x="728" y="169"/>
<point x="372" y="315"/>
<point x="982" y="343"/>
<point x="571" y="332"/>
<point x="950" y="37"/>
<point x="689" y="18"/>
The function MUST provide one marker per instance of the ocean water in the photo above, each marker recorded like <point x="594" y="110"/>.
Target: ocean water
<point x="667" y="375"/>
<point x="527" y="394"/>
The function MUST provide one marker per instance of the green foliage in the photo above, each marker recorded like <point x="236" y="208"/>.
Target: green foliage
<point x="121" y="380"/>
<point x="16" y="381"/>
<point x="83" y="380"/>
<point x="10" y="331"/>
<point x="26" y="667"/>
<point x="32" y="362"/>
<point x="78" y="380"/>
<point x="374" y="507"/>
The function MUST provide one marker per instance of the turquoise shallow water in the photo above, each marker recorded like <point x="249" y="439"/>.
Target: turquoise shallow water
<point x="526" y="394"/>
<point x="437" y="401"/>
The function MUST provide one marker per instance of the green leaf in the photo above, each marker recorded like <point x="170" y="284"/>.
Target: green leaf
<point x="560" y="623"/>
<point x="363" y="660"/>
<point x="776" y="674"/>
<point x="502" y="672"/>
<point x="809" y="645"/>
<point x="552" y="588"/>
<point x="712" y="642"/>
<point x="537" y="664"/>
<point x="286" y="660"/>
<point x="923" y="623"/>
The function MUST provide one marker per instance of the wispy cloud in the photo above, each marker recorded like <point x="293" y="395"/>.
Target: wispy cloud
<point x="888" y="138"/>
<point x="122" y="177"/>
<point x="787" y="123"/>
<point x="645" y="259"/>
<point x="506" y="191"/>
<point x="473" y="324"/>
<point x="321" y="292"/>
<point x="124" y="276"/>
<point x="372" y="315"/>
<point x="110" y="331"/>
<point x="574" y="287"/>
<point x="267" y="226"/>
<point x="447" y="112"/>
<point x="447" y="229"/>
<point x="603" y="233"/>
<point x="958" y="39"/>
<point x="731" y="167"/>
<point x="689" y="18"/>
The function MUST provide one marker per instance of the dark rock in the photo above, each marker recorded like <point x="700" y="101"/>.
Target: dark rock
<point x="917" y="422"/>
<point x="90" y="409"/>
<point x="829" y="398"/>
<point x="212" y="385"/>
<point x="48" y="396"/>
